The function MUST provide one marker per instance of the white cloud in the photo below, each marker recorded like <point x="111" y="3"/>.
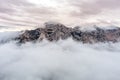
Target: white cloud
<point x="63" y="60"/>
<point x="70" y="12"/>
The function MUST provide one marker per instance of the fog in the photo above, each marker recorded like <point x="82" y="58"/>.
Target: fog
<point x="62" y="60"/>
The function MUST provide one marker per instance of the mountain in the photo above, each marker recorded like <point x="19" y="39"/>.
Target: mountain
<point x="56" y="31"/>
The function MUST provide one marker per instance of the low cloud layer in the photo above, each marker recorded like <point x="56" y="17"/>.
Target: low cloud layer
<point x="25" y="14"/>
<point x="62" y="60"/>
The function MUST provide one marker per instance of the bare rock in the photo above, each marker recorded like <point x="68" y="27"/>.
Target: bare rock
<point x="57" y="31"/>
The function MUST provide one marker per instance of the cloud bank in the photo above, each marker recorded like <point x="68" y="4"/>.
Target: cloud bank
<point x="63" y="60"/>
<point x="26" y="14"/>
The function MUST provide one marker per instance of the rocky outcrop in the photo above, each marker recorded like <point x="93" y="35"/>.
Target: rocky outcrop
<point x="51" y="32"/>
<point x="56" y="31"/>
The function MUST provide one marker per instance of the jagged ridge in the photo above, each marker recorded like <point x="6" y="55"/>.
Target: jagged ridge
<point x="56" y="31"/>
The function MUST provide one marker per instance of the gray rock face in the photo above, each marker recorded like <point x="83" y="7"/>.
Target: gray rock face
<point x="52" y="32"/>
<point x="56" y="31"/>
<point x="29" y="36"/>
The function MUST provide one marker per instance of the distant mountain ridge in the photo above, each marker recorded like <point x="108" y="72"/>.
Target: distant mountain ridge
<point x="56" y="31"/>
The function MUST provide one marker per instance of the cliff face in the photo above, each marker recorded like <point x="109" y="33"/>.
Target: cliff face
<point x="56" y="31"/>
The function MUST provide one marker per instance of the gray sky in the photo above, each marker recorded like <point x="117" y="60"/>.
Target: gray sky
<point x="26" y="14"/>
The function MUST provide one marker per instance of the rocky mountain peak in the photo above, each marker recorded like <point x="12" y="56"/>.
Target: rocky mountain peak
<point x="56" y="31"/>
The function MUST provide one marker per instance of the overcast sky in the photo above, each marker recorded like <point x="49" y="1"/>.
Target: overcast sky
<point x="22" y="14"/>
